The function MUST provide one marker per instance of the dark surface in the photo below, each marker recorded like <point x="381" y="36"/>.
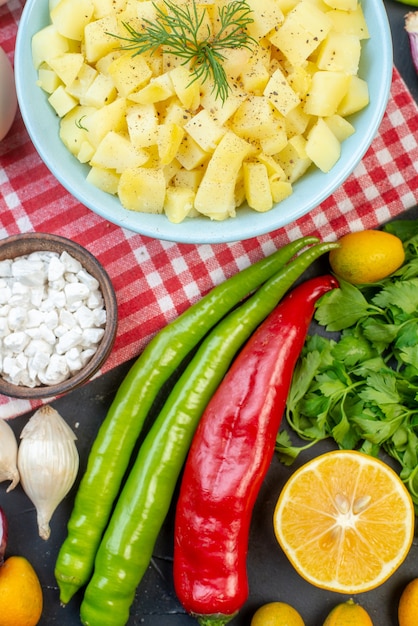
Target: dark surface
<point x="271" y="577"/>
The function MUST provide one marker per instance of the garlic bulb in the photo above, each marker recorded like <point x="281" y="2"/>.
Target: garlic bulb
<point x="48" y="463"/>
<point x="8" y="455"/>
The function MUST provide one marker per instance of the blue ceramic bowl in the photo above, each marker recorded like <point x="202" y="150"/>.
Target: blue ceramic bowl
<point x="312" y="189"/>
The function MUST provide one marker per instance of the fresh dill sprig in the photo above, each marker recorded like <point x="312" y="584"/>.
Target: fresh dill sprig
<point x="178" y="31"/>
<point x="79" y="123"/>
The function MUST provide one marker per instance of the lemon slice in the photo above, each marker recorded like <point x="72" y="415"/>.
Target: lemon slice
<point x="345" y="520"/>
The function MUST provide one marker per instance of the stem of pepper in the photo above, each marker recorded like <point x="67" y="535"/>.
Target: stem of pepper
<point x="215" y="620"/>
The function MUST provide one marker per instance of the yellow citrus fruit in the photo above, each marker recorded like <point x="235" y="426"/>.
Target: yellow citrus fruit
<point x="348" y="614"/>
<point x="345" y="520"/>
<point x="408" y="605"/>
<point x="367" y="256"/>
<point x="277" y="614"/>
<point x="21" y="598"/>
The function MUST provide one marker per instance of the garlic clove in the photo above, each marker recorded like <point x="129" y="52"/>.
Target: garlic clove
<point x="48" y="463"/>
<point x="8" y="455"/>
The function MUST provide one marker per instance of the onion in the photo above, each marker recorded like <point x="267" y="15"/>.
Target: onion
<point x="3" y="535"/>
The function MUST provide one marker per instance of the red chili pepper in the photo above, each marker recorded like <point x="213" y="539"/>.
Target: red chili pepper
<point x="229" y="458"/>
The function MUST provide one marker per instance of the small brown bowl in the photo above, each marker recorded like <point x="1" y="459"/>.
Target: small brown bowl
<point x="24" y="244"/>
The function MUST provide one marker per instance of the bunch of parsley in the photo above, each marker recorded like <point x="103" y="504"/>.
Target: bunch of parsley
<point x="357" y="380"/>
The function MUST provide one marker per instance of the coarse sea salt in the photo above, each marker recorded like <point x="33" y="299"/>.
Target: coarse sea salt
<point x="52" y="318"/>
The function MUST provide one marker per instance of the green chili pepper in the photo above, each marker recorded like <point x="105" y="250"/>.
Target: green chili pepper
<point x="112" y="449"/>
<point x="126" y="549"/>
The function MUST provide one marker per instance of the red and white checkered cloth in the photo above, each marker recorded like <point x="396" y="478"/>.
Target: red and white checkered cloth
<point x="156" y="280"/>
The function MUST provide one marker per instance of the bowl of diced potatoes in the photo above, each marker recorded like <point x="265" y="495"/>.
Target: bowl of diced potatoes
<point x="202" y="122"/>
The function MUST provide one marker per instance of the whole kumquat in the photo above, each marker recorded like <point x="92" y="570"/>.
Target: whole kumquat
<point x="348" y="614"/>
<point x="408" y="604"/>
<point x="277" y="614"/>
<point x="367" y="256"/>
<point x="21" y="598"/>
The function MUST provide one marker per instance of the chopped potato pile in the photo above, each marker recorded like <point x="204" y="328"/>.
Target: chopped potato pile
<point x="164" y="142"/>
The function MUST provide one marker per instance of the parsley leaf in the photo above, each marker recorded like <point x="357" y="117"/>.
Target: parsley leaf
<point x="343" y="307"/>
<point x="356" y="380"/>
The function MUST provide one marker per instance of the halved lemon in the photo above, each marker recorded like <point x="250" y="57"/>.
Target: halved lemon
<point x="345" y="520"/>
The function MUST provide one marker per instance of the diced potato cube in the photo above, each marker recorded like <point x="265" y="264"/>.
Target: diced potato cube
<point x="129" y="73"/>
<point x="100" y="39"/>
<point x="82" y="81"/>
<point x="187" y="89"/>
<point x="293" y="158"/>
<point x="257" y="186"/>
<point x="275" y="143"/>
<point x="356" y="97"/>
<point x="142" y="189"/>
<point x="170" y="170"/>
<point x="61" y="101"/>
<point x="296" y="121"/>
<point x="327" y="91"/>
<point x="266" y="15"/>
<point x="116" y="152"/>
<point x="170" y="137"/>
<point x="287" y="5"/>
<point x="67" y="66"/>
<point x="221" y="111"/>
<point x="157" y="90"/>
<point x="103" y="179"/>
<point x="100" y="92"/>
<point x="234" y="60"/>
<point x="255" y="76"/>
<point x="104" y="62"/>
<point x="339" y="52"/>
<point x="320" y="4"/>
<point x="256" y="118"/>
<point x="188" y="178"/>
<point x="174" y="113"/>
<point x="351" y="22"/>
<point x="301" y="32"/>
<point x="140" y="10"/>
<point x="322" y="146"/>
<point x="86" y="152"/>
<point x="102" y="8"/>
<point x="280" y="93"/>
<point x="70" y="17"/>
<point x="340" y="127"/>
<point x="344" y="5"/>
<point x="155" y="62"/>
<point x="280" y="190"/>
<point x="107" y="118"/>
<point x="205" y="131"/>
<point x="274" y="170"/>
<point x="72" y="131"/>
<point x="142" y="121"/>
<point x="216" y="194"/>
<point x="179" y="203"/>
<point x="47" y="44"/>
<point x="190" y="155"/>
<point x="47" y="79"/>
<point x="300" y="80"/>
